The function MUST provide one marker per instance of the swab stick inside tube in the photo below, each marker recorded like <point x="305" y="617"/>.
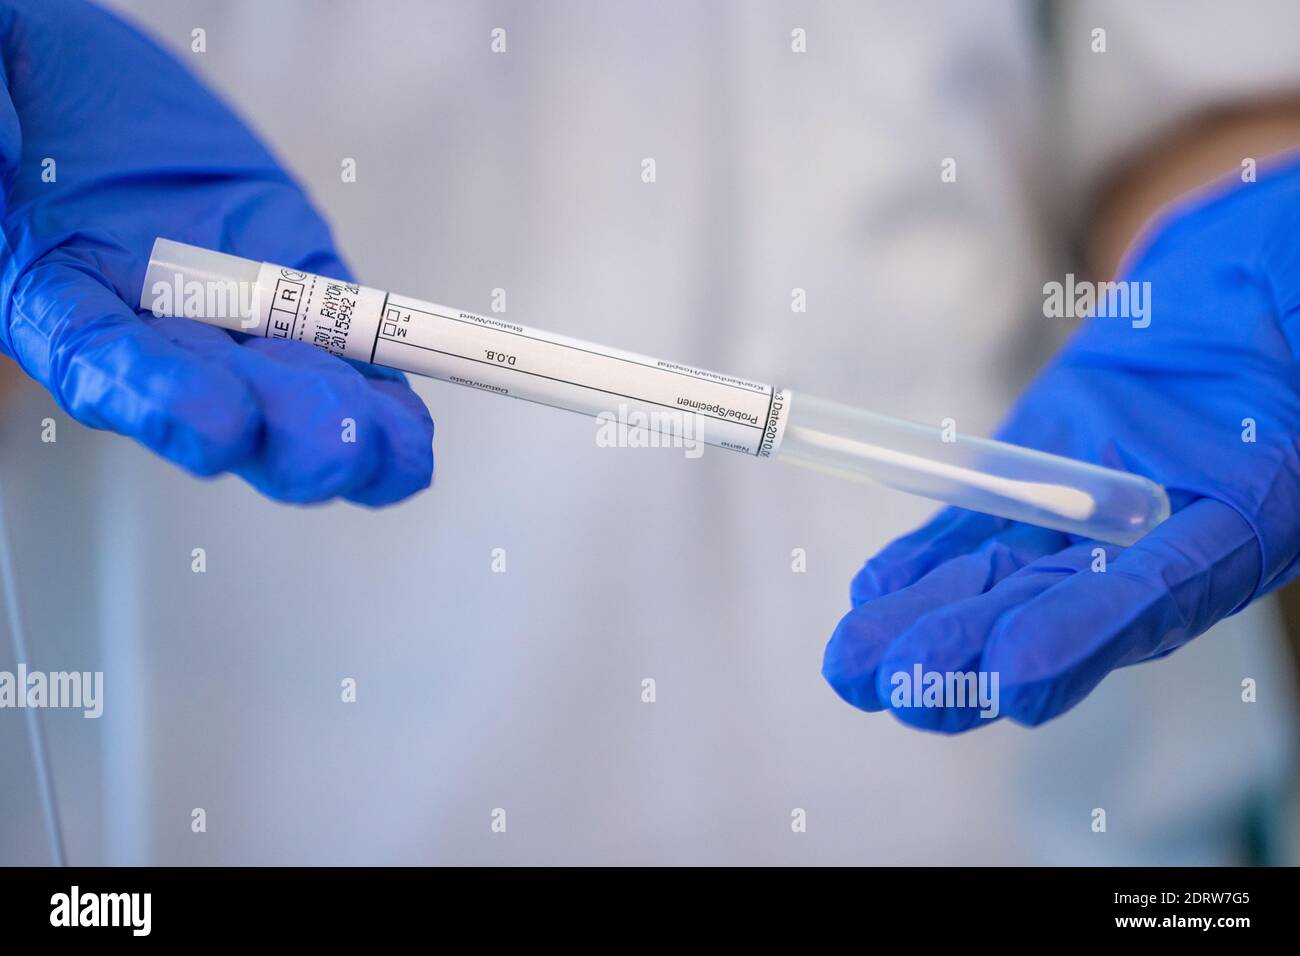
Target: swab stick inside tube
<point x="742" y="415"/>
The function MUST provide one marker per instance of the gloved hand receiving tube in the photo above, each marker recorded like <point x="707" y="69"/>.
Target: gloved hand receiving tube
<point x="1206" y="400"/>
<point x="367" y="325"/>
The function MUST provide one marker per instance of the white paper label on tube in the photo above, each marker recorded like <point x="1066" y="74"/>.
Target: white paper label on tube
<point x="369" y="325"/>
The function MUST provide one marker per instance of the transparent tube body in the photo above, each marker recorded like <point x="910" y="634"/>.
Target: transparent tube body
<point x="976" y="473"/>
<point x="742" y="415"/>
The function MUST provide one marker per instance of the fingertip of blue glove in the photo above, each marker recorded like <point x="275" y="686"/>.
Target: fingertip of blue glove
<point x="849" y="662"/>
<point x="408" y="470"/>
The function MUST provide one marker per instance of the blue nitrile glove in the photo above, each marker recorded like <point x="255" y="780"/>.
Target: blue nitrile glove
<point x="1178" y="401"/>
<point x="106" y="143"/>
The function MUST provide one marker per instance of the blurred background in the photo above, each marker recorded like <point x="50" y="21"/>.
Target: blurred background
<point x="479" y="690"/>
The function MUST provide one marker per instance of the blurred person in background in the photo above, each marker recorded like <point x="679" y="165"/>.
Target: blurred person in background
<point x="500" y="628"/>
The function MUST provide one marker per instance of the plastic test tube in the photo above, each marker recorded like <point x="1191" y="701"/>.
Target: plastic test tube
<point x="739" y="414"/>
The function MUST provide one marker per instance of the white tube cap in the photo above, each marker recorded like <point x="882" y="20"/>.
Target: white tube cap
<point x="196" y="283"/>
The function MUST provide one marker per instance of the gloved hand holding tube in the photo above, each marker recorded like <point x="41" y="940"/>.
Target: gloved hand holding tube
<point x="99" y="159"/>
